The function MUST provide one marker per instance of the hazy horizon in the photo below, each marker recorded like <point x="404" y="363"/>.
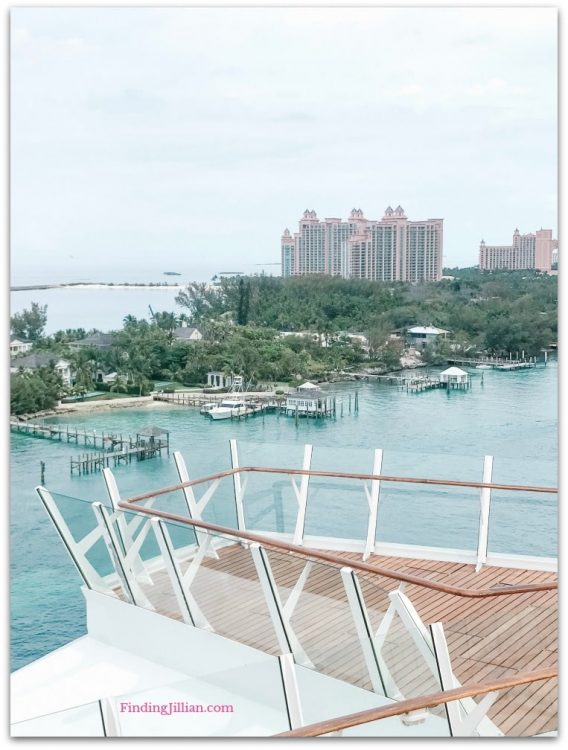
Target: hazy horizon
<point x="187" y="139"/>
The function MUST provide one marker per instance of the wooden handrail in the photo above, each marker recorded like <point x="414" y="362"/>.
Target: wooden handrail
<point x="343" y="475"/>
<point x="336" y="560"/>
<point x="414" y="704"/>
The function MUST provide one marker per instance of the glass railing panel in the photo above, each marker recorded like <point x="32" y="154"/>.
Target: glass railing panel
<point x="270" y="501"/>
<point x="337" y="508"/>
<point x="524" y="523"/>
<point x="321" y="621"/>
<point x="226" y="596"/>
<point x="246" y="700"/>
<point x="406" y="661"/>
<point x="80" y="519"/>
<point x="79" y="721"/>
<point x="430" y="515"/>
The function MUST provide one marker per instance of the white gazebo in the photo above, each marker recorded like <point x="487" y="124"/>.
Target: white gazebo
<point x="454" y="376"/>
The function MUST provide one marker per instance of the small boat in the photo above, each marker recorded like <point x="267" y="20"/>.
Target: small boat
<point x="206" y="408"/>
<point x="229" y="407"/>
<point x="484" y="367"/>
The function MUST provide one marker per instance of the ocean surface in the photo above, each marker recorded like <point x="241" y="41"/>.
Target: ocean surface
<point x="102" y="308"/>
<point x="509" y="415"/>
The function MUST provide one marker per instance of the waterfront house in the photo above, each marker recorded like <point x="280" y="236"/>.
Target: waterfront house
<point x="19" y="346"/>
<point x="422" y="335"/>
<point x="307" y="399"/>
<point x="187" y="335"/>
<point x="31" y="362"/>
<point x="97" y="340"/>
<point x="454" y="376"/>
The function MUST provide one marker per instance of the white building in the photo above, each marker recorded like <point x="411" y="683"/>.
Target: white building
<point x="306" y="400"/>
<point x="454" y="376"/>
<point x="422" y="335"/>
<point x="186" y="334"/>
<point x="19" y="346"/>
<point x="32" y="362"/>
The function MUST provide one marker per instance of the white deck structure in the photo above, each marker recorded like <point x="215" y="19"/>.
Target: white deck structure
<point x="267" y="633"/>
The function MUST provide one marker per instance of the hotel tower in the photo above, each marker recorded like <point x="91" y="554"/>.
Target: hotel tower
<point x="536" y="250"/>
<point x="390" y="249"/>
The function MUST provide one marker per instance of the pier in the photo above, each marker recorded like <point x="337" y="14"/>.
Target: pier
<point x="103" y="440"/>
<point x="495" y="363"/>
<point x="92" y="462"/>
<point x="111" y="448"/>
<point x="257" y="403"/>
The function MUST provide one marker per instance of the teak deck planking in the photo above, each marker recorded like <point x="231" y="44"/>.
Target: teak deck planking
<point x="487" y="638"/>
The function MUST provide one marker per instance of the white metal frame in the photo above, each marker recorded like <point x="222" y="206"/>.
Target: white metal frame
<point x="126" y="560"/>
<point x="238" y="485"/>
<point x="77" y="550"/>
<point x="441" y="670"/>
<point x="195" y="507"/>
<point x="461" y="722"/>
<point x="181" y="582"/>
<point x="291" y="691"/>
<point x="381" y="680"/>
<point x="301" y="493"/>
<point x="373" y="501"/>
<point x="280" y="614"/>
<point x="484" y="509"/>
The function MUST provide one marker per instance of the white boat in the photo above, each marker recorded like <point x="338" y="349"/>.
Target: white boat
<point x="484" y="367"/>
<point x="229" y="407"/>
<point x="206" y="408"/>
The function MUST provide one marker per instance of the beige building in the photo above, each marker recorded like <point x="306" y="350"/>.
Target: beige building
<point x="390" y="249"/>
<point x="538" y="250"/>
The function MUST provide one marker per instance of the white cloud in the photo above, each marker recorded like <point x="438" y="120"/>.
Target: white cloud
<point x="147" y="117"/>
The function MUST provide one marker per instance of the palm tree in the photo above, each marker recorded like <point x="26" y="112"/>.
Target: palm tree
<point x="83" y="366"/>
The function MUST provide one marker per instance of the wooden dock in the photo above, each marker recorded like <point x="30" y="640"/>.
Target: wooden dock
<point x="257" y="403"/>
<point x="89" y="463"/>
<point x="495" y="363"/>
<point x="101" y="440"/>
<point x="487" y="638"/>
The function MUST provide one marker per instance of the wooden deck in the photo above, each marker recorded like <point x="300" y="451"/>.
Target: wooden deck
<point x="487" y="638"/>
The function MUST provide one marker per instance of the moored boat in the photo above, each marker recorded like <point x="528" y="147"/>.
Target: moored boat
<point x="229" y="407"/>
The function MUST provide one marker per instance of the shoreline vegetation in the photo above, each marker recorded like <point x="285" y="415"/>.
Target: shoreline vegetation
<point x="269" y="330"/>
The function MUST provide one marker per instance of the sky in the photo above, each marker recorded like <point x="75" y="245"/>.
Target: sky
<point x="151" y="139"/>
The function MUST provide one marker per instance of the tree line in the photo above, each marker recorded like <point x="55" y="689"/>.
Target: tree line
<point x="242" y="320"/>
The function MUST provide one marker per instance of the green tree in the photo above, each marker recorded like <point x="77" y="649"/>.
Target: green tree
<point x="29" y="324"/>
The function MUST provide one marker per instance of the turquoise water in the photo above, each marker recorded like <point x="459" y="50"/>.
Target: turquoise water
<point x="512" y="416"/>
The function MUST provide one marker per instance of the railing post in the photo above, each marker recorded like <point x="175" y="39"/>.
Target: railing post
<point x="126" y="575"/>
<point x="188" y="495"/>
<point x="238" y="486"/>
<point x="76" y="550"/>
<point x="125" y="530"/>
<point x="373" y="501"/>
<point x="302" y="496"/>
<point x="485" y="506"/>
<point x="375" y="668"/>
<point x="112" y="547"/>
<point x="193" y="507"/>
<point x="109" y="718"/>
<point x="445" y="675"/>
<point x="461" y="722"/>
<point x="172" y="568"/>
<point x="291" y="691"/>
<point x="285" y="635"/>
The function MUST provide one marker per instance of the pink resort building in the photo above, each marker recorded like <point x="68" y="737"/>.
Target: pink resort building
<point x="390" y="249"/>
<point x="536" y="250"/>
